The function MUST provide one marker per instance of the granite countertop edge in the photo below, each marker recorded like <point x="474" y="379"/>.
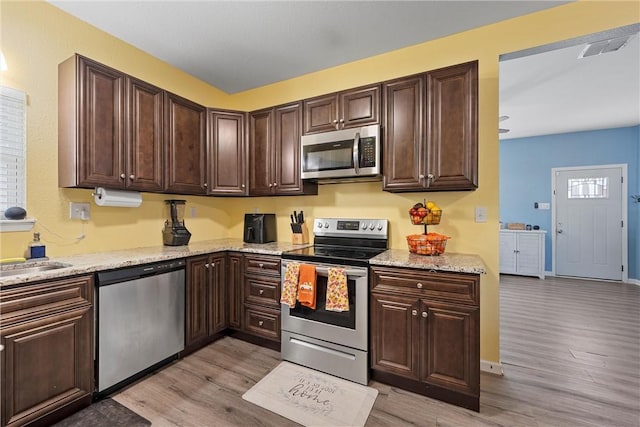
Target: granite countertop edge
<point x="94" y="262"/>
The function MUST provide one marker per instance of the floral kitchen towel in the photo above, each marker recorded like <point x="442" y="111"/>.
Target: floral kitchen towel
<point x="289" y="294"/>
<point x="337" y="293"/>
<point x="307" y="286"/>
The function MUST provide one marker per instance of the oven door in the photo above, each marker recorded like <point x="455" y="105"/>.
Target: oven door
<point x="348" y="328"/>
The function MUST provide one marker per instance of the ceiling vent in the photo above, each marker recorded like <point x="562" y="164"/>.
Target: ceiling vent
<point x="604" y="46"/>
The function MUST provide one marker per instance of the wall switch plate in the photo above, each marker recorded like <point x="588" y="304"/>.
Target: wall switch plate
<point x="481" y="214"/>
<point x="79" y="211"/>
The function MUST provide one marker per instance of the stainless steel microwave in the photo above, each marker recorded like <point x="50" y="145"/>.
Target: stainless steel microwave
<point x="348" y="153"/>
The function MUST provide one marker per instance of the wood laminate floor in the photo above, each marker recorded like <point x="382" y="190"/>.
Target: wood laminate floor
<point x="570" y="351"/>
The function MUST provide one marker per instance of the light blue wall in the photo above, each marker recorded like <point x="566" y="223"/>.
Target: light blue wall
<point x="525" y="176"/>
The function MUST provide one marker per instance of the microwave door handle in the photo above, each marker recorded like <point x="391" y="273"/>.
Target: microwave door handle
<point x="356" y="155"/>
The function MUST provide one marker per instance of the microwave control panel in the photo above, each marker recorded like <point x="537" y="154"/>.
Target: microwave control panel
<point x="368" y="152"/>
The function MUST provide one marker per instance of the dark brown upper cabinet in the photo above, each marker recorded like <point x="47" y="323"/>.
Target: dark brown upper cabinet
<point x="185" y="146"/>
<point x="431" y="131"/>
<point x="274" y="152"/>
<point x="342" y="110"/>
<point x="227" y="151"/>
<point x="109" y="128"/>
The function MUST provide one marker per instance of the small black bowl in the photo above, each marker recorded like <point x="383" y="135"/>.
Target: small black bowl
<point x="15" y="212"/>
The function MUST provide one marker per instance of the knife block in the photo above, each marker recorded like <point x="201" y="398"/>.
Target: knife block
<point x="301" y="238"/>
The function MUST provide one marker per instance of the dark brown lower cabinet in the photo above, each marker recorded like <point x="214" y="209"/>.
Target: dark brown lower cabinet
<point x="261" y="297"/>
<point x="206" y="299"/>
<point x="47" y="360"/>
<point x="425" y="333"/>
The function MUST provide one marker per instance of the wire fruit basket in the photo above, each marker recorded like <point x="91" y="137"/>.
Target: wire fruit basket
<point x="427" y="244"/>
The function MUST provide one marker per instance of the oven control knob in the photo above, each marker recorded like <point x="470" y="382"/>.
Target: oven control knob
<point x="364" y="226"/>
<point x="371" y="226"/>
<point x="326" y="225"/>
<point x="379" y="227"/>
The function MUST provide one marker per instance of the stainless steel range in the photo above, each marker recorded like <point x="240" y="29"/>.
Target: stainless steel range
<point x="330" y="341"/>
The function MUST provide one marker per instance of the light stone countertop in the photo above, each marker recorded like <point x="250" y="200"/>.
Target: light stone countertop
<point x="90" y="263"/>
<point x="461" y="263"/>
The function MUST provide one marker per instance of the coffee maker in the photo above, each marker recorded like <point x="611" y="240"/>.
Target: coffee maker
<point x="174" y="232"/>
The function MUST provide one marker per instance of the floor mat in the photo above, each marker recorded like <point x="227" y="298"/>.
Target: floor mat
<point x="104" y="413"/>
<point x="312" y="398"/>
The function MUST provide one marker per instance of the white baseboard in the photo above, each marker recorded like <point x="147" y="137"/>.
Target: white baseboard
<point x="549" y="273"/>
<point x="491" y="367"/>
<point x="634" y="281"/>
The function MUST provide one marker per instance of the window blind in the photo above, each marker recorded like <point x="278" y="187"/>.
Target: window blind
<point x="13" y="142"/>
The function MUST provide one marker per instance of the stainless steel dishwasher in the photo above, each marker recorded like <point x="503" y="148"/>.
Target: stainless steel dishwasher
<point x="140" y="321"/>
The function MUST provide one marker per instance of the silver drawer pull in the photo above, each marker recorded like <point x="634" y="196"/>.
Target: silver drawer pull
<point x="260" y="322"/>
<point x="261" y="265"/>
<point x="414" y="312"/>
<point x="419" y="285"/>
<point x="425" y="314"/>
<point x="261" y="291"/>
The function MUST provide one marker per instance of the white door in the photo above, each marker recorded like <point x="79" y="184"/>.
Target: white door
<point x="589" y="222"/>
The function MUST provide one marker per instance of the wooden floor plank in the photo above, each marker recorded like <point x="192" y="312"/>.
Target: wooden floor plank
<point x="570" y="350"/>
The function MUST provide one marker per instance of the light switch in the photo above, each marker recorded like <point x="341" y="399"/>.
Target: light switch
<point x="481" y="214"/>
<point x="79" y="211"/>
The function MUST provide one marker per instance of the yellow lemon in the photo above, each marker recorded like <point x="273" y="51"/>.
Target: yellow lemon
<point x="430" y="205"/>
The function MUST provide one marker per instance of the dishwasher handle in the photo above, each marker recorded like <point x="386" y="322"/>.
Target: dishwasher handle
<point x="130" y="273"/>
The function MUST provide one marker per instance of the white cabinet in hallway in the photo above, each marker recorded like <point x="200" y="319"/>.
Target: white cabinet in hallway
<point x="522" y="252"/>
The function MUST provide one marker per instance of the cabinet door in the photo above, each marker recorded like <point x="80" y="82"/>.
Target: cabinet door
<point x="196" y="307"/>
<point x="395" y="334"/>
<point x="185" y="144"/>
<point x="320" y="114"/>
<point x="508" y="253"/>
<point x="450" y="346"/>
<point x="452" y="124"/>
<point x="234" y="291"/>
<point x="359" y="107"/>
<point x="405" y="157"/>
<point x="144" y="148"/>
<point x="100" y="125"/>
<point x="227" y="173"/>
<point x="528" y="251"/>
<point x="286" y="150"/>
<point x="217" y="269"/>
<point x="260" y="158"/>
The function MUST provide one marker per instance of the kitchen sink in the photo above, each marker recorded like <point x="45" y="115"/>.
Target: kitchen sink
<point x="30" y="267"/>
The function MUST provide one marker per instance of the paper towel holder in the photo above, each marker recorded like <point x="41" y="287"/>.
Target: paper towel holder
<point x="117" y="198"/>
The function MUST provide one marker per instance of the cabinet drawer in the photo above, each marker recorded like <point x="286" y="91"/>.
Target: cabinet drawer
<point x="33" y="301"/>
<point x="263" y="322"/>
<point x="262" y="265"/>
<point x="262" y="291"/>
<point x="456" y="287"/>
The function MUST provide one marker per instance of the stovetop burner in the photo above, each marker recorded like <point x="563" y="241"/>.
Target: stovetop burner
<point x="344" y="241"/>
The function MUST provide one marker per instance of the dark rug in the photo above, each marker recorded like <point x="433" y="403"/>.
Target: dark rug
<point x="104" y="413"/>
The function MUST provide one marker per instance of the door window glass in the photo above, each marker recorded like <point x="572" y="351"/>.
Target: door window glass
<point x="588" y="188"/>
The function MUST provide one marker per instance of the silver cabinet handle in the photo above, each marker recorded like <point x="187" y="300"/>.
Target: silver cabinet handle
<point x="205" y="185"/>
<point x="122" y="176"/>
<point x="132" y="177"/>
<point x="260" y="322"/>
<point x="421" y="176"/>
<point x="414" y="312"/>
<point x="242" y="186"/>
<point x="425" y="314"/>
<point x="261" y="265"/>
<point x="356" y="155"/>
<point x="261" y="291"/>
<point x="275" y="184"/>
<point x="430" y="176"/>
<point x="270" y="185"/>
<point x="206" y="265"/>
<point x="419" y="285"/>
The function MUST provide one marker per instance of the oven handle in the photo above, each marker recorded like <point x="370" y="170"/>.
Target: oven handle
<point x="324" y="271"/>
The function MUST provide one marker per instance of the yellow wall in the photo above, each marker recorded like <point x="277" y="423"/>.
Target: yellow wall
<point x="37" y="36"/>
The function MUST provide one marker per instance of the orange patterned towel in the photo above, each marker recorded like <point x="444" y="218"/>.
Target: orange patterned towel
<point x="337" y="293"/>
<point x="290" y="285"/>
<point x="307" y="286"/>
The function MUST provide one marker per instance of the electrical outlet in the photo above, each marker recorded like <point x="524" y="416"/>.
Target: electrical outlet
<point x="544" y="206"/>
<point x="193" y="212"/>
<point x="481" y="214"/>
<point x="79" y="211"/>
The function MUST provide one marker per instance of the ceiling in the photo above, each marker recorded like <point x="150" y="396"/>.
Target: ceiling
<point x="240" y="45"/>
